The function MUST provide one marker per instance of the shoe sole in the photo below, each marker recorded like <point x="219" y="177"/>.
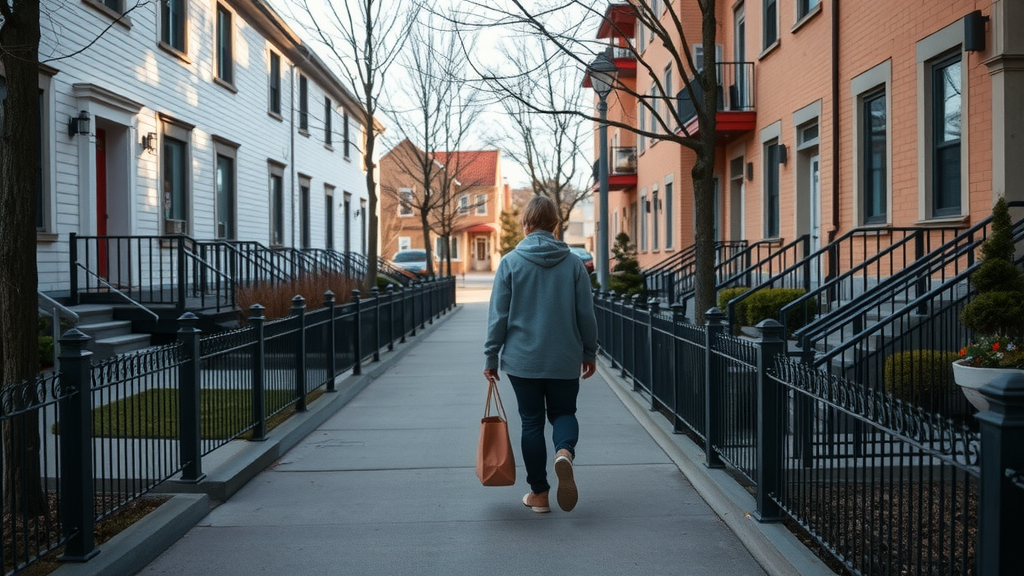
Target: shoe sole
<point x="537" y="509"/>
<point x="567" y="493"/>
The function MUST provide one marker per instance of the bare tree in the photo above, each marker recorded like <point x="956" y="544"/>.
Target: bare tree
<point x="567" y="26"/>
<point x="19" y="164"/>
<point x="549" y="146"/>
<point x="437" y="111"/>
<point x="365" y="37"/>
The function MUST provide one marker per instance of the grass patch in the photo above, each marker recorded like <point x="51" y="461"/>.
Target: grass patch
<point x="154" y="414"/>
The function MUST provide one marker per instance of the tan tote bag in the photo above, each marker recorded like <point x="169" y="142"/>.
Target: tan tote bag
<point x="495" y="463"/>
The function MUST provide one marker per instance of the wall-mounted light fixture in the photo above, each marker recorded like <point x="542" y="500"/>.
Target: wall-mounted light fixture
<point x="783" y="156"/>
<point x="974" y="31"/>
<point x="149" y="142"/>
<point x="750" y="170"/>
<point x="79" y="124"/>
<point x="356" y="213"/>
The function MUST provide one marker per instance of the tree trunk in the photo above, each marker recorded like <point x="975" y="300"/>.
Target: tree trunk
<point x="371" y="191"/>
<point x="425" y="223"/>
<point x="19" y="163"/>
<point x="703" y="179"/>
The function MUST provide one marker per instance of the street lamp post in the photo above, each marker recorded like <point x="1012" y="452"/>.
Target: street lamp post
<point x="602" y="73"/>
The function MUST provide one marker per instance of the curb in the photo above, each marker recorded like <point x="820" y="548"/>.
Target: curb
<point x="773" y="546"/>
<point x="141" y="543"/>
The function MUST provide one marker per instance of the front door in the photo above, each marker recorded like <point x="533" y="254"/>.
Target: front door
<point x="101" y="201"/>
<point x="815" y="216"/>
<point x="481" y="255"/>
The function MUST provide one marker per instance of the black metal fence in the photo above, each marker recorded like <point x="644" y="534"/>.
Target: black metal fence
<point x="884" y="486"/>
<point x="80" y="444"/>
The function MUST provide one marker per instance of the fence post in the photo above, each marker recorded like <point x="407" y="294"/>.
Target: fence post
<point x="189" y="379"/>
<point x="332" y="351"/>
<point x="769" y="421"/>
<point x="678" y="317"/>
<point x="404" y="292"/>
<point x="182" y="274"/>
<point x="299" y="311"/>
<point x="73" y="267"/>
<point x="76" y="485"/>
<point x="652" y="360"/>
<point x="376" y="323"/>
<point x="716" y="324"/>
<point x="357" y="367"/>
<point x="633" y="303"/>
<point x="390" y="291"/>
<point x="421" y="284"/>
<point x="259" y="360"/>
<point x="1001" y="490"/>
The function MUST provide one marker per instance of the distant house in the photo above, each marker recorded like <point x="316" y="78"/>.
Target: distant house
<point x="208" y="119"/>
<point x="477" y="196"/>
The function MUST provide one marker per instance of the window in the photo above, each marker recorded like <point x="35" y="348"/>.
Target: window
<point x="464" y="204"/>
<point x="655" y="215"/>
<point x="641" y="211"/>
<point x="347" y="211"/>
<point x="405" y="199"/>
<point x="873" y="157"/>
<point x="481" y="204"/>
<point x="175" y="185"/>
<point x="115" y="5"/>
<point x="642" y="140"/>
<point x="698" y="56"/>
<point x="226" y="197"/>
<point x="275" y="83"/>
<point x="654" y="110"/>
<point x="439" y="249"/>
<point x="276" y="205"/>
<point x="303" y="101"/>
<point x="362" y="223"/>
<point x="225" y="55"/>
<point x="804" y="7"/>
<point x="329" y="216"/>
<point x="771" y="189"/>
<point x="770" y="24"/>
<point x="305" y="235"/>
<point x="404" y="243"/>
<point x="669" y="241"/>
<point x="668" y="80"/>
<point x="946" y="121"/>
<point x="172" y="23"/>
<point x="344" y="134"/>
<point x="328" y="108"/>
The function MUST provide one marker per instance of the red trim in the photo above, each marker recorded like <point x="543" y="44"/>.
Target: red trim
<point x="619" y="22"/>
<point x="480" y="228"/>
<point x="727" y="124"/>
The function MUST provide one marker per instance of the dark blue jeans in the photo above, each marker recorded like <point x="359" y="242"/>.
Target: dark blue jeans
<point x="555" y="399"/>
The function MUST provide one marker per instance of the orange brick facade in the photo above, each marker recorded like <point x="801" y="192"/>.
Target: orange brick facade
<point x="884" y="52"/>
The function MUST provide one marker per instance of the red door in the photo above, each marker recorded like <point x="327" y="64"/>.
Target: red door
<point x="101" y="201"/>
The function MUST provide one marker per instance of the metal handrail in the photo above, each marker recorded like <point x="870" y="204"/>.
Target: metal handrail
<point x="115" y="290"/>
<point x="739" y="256"/>
<point x="53" y="305"/>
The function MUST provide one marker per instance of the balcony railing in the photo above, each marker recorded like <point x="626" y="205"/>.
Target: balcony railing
<point x="623" y="160"/>
<point x="735" y="91"/>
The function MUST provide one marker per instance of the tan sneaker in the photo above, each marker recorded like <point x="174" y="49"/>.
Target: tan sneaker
<point x="567" y="493"/>
<point x="537" y="502"/>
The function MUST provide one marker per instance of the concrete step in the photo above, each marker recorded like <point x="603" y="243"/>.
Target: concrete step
<point x="115" y="345"/>
<point x="93" y="313"/>
<point x="107" y="329"/>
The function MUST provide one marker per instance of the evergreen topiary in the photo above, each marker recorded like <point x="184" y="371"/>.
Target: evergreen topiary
<point x="996" y="314"/>
<point x="625" y="277"/>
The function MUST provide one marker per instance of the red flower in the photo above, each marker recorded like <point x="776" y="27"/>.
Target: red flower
<point x="963" y="351"/>
<point x="995" y="346"/>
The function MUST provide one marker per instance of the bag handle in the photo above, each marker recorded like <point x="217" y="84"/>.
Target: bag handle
<point x="492" y="392"/>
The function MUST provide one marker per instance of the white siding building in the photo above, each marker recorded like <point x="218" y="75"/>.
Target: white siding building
<point x="208" y="118"/>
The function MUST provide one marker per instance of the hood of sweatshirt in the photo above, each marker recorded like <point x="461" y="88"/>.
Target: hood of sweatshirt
<point x="542" y="249"/>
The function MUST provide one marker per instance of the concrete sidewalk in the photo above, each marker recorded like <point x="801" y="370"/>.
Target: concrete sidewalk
<point x="387" y="486"/>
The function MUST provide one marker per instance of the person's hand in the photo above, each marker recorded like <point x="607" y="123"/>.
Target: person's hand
<point x="588" y="369"/>
<point x="492" y="375"/>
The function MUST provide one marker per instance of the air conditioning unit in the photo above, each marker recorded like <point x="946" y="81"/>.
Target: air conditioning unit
<point x="174" y="226"/>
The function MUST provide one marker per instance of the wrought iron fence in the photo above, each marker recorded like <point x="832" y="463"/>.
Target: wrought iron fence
<point x="97" y="436"/>
<point x="883" y="485"/>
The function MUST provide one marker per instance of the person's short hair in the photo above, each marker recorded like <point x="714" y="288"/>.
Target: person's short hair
<point x="540" y="213"/>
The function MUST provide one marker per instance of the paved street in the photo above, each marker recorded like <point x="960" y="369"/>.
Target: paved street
<point x="387" y="486"/>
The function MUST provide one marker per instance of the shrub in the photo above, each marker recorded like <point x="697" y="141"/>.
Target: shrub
<point x="767" y="303"/>
<point x="921" y="377"/>
<point x="45" y="350"/>
<point x="277" y="298"/>
<point x="727" y="294"/>
<point x="625" y="277"/>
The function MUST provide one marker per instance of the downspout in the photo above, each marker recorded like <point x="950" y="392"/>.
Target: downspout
<point x="291" y="142"/>
<point x="835" y="122"/>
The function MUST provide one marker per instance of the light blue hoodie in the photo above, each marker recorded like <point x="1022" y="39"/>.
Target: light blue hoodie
<point x="541" y="316"/>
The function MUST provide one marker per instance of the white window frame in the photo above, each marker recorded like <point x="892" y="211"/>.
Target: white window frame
<point x="464" y="204"/>
<point x="929" y="51"/>
<point x="404" y="243"/>
<point x="183" y="134"/>
<point x="481" y="204"/>
<point x="865" y="84"/>
<point x="277" y="216"/>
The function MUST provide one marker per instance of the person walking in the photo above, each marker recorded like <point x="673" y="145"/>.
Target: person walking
<point x="541" y="323"/>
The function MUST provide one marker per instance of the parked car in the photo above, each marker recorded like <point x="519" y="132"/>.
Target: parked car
<point x="414" y="260"/>
<point x="582" y="253"/>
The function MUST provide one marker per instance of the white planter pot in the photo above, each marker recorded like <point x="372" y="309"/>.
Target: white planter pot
<point x="970" y="379"/>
